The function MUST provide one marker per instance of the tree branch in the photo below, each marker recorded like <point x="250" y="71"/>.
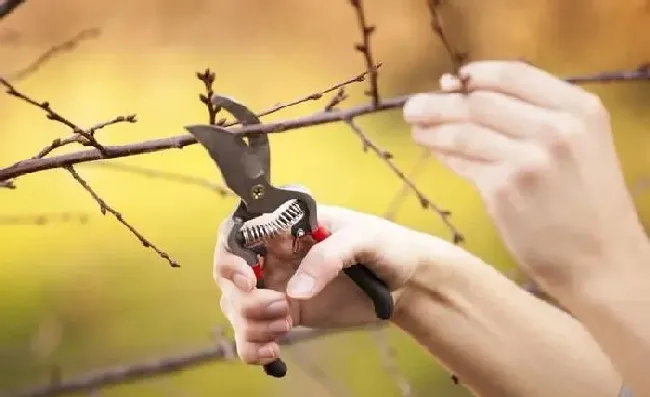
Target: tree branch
<point x="86" y="137"/>
<point x="177" y="142"/>
<point x="224" y="350"/>
<point x="9" y="6"/>
<point x="76" y="138"/>
<point x="53" y="52"/>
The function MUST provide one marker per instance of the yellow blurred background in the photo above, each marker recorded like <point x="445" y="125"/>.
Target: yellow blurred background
<point x="89" y="296"/>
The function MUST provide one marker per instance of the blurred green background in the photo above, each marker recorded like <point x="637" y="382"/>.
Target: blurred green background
<point x="88" y="296"/>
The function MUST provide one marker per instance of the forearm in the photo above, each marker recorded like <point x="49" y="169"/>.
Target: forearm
<point x="500" y="340"/>
<point x="612" y="300"/>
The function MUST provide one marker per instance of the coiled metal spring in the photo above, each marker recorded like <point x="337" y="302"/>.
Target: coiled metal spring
<point x="267" y="226"/>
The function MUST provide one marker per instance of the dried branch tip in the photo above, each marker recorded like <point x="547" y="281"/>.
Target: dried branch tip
<point x="208" y="77"/>
<point x="365" y="48"/>
<point x="7" y="184"/>
<point x="53" y="52"/>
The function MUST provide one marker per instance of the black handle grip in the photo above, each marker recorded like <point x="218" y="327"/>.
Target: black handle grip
<point x="276" y="368"/>
<point x="374" y="287"/>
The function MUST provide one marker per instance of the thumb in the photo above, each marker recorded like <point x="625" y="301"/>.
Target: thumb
<point x="322" y="264"/>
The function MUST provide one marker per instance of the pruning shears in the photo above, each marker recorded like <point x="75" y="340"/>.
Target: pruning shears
<point x="245" y="168"/>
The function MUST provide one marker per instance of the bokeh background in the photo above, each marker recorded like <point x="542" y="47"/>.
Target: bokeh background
<point x="87" y="296"/>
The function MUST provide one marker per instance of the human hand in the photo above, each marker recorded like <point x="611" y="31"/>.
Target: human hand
<point x="541" y="154"/>
<point x="307" y="288"/>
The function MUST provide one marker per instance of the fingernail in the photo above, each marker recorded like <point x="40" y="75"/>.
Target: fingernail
<point x="277" y="308"/>
<point x="242" y="282"/>
<point x="300" y="285"/>
<point x="279" y="326"/>
<point x="265" y="352"/>
<point x="449" y="82"/>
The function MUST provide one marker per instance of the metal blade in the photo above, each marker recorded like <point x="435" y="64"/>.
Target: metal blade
<point x="240" y="167"/>
<point x="258" y="142"/>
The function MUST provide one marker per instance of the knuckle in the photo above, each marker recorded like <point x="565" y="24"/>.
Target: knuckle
<point x="248" y="307"/>
<point x="563" y="135"/>
<point x="593" y="105"/>
<point x="532" y="167"/>
<point x="248" y="331"/>
<point x="501" y="189"/>
<point x="529" y="170"/>
<point x="247" y="353"/>
<point x="458" y="141"/>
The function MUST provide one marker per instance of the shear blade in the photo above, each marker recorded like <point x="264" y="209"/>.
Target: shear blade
<point x="240" y="167"/>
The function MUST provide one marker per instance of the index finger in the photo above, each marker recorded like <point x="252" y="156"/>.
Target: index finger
<point x="521" y="80"/>
<point x="227" y="266"/>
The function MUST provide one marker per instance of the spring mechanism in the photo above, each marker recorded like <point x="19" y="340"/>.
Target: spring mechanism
<point x="267" y="226"/>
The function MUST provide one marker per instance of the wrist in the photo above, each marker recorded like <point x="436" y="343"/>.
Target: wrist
<point x="622" y="262"/>
<point x="621" y="271"/>
<point x="439" y="267"/>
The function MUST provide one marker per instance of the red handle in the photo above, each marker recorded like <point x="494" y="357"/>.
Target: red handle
<point x="320" y="233"/>
<point x="259" y="273"/>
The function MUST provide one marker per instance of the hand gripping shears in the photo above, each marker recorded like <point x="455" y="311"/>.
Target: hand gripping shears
<point x="245" y="168"/>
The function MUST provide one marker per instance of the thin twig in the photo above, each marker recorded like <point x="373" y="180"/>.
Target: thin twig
<point x="387" y="352"/>
<point x="9" y="6"/>
<point x="176" y="142"/>
<point x="315" y="96"/>
<point x="207" y="78"/>
<point x="104" y="208"/>
<point x="53" y="52"/>
<point x="54" y="116"/>
<point x="339" y="87"/>
<point x="336" y="100"/>
<point x="425" y="202"/>
<point x="366" y="49"/>
<point x="9" y="184"/>
<point x="399" y="197"/>
<point x="43" y="219"/>
<point x="161" y="366"/>
<point x="457" y="58"/>
<point x="57" y="143"/>
<point x="167" y="175"/>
